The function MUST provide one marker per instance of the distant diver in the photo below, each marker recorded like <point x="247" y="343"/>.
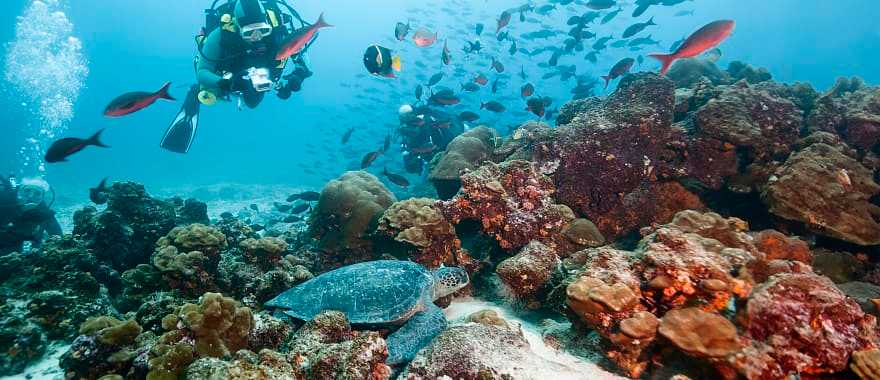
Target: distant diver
<point x="244" y="50"/>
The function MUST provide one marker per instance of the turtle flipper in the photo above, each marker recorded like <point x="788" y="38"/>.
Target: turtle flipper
<point x="421" y="328"/>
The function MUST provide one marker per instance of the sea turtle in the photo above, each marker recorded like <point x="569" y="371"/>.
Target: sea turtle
<point x="384" y="292"/>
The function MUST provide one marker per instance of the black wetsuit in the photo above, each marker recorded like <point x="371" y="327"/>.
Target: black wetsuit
<point x="18" y="225"/>
<point x="224" y="51"/>
<point x="424" y="128"/>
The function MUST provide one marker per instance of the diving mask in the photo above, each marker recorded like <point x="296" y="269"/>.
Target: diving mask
<point x="256" y="32"/>
<point x="30" y="196"/>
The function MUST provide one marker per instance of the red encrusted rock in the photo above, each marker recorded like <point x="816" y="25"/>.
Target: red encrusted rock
<point x="527" y="274"/>
<point x="851" y="110"/>
<point x="801" y="324"/>
<point x="513" y="200"/>
<point x="829" y="192"/>
<point x="616" y="157"/>
<point x="751" y="119"/>
<point x="423" y="228"/>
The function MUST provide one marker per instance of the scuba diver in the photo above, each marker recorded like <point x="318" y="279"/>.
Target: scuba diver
<point x="25" y="213"/>
<point x="425" y="131"/>
<point x="237" y="52"/>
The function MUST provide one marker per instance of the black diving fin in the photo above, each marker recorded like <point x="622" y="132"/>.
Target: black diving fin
<point x="180" y="135"/>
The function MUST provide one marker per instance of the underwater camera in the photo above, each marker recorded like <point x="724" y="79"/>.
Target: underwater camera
<point x="260" y="79"/>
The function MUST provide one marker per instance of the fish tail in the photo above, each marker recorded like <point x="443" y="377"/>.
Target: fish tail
<point x="96" y="139"/>
<point x="482" y="105"/>
<point x="651" y="21"/>
<point x="321" y="23"/>
<point x="163" y="92"/>
<point x="395" y="63"/>
<point x="607" y="79"/>
<point x="665" y="59"/>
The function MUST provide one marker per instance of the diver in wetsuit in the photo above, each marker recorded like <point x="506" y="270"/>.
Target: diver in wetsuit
<point x="237" y="50"/>
<point x="426" y="131"/>
<point x="25" y="213"/>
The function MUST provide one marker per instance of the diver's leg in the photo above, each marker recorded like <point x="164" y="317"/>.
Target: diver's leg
<point x="421" y="328"/>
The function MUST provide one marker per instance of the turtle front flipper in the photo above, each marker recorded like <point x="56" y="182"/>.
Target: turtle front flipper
<point x="418" y="331"/>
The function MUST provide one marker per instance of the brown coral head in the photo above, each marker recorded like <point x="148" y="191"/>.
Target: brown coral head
<point x="699" y="333"/>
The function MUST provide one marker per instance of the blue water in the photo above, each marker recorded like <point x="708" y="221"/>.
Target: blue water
<point x="137" y="45"/>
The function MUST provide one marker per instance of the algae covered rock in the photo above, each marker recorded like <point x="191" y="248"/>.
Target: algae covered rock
<point x="347" y="211"/>
<point x="851" y="110"/>
<point x="106" y="345"/>
<point x="466" y="152"/>
<point x="527" y="274"/>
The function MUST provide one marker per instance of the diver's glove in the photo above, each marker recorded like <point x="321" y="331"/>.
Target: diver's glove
<point x="225" y="85"/>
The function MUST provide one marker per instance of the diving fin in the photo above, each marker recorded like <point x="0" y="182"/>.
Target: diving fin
<point x="182" y="131"/>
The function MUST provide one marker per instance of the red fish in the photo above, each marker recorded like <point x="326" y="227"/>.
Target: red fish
<point x="424" y="38"/>
<point x="481" y="80"/>
<point x="703" y="39"/>
<point x="300" y="38"/>
<point x="135" y="101"/>
<point x="369" y="158"/>
<point x="503" y="21"/>
<point x="528" y="90"/>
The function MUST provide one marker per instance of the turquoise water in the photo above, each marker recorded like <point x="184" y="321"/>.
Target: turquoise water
<point x="138" y="45"/>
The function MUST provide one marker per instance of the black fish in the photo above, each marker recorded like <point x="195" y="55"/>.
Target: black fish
<point x="479" y="29"/>
<point x="401" y="30"/>
<point x="610" y="16"/>
<point x="620" y="68"/>
<point x="308" y="196"/>
<point x="368" y="159"/>
<point x="601" y="4"/>
<point x="300" y="208"/>
<point x="419" y="92"/>
<point x="387" y="144"/>
<point x="396" y="179"/>
<point x="226" y="215"/>
<point x="634" y="29"/>
<point x="61" y="149"/>
<point x="257" y="227"/>
<point x="493" y="106"/>
<point x="347" y="135"/>
<point x="379" y="61"/>
<point x="468" y="116"/>
<point x="98" y="195"/>
<point x="536" y="106"/>
<point x="254" y="207"/>
<point x="436" y="78"/>
<point x="282" y="207"/>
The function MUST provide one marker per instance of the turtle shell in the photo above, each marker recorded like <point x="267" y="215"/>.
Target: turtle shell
<point x="384" y="291"/>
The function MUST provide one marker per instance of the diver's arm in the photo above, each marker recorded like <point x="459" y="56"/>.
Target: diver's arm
<point x="52" y="227"/>
<point x="212" y="51"/>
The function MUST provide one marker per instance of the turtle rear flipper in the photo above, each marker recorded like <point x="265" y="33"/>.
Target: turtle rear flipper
<point x="418" y="331"/>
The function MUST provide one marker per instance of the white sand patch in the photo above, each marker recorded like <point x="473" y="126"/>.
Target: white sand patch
<point x="564" y="366"/>
<point x="47" y="368"/>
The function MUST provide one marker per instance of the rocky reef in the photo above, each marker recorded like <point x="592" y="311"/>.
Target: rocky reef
<point x="711" y="224"/>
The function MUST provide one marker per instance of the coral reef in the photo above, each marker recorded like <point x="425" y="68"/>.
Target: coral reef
<point x="347" y="211"/>
<point x="126" y="232"/>
<point x="851" y="110"/>
<point x="513" y="201"/>
<point x="106" y="345"/>
<point x="429" y="237"/>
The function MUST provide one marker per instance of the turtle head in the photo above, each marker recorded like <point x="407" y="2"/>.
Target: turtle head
<point x="448" y="280"/>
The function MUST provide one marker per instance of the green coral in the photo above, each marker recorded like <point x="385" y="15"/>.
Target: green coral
<point x="188" y="256"/>
<point x="265" y="252"/>
<point x="111" y="331"/>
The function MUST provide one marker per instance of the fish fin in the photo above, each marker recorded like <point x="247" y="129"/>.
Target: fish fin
<point x="666" y="60"/>
<point x="395" y="63"/>
<point x="163" y="92"/>
<point x="321" y="23"/>
<point x="103" y="185"/>
<point x="482" y="105"/>
<point x="607" y="79"/>
<point x="96" y="139"/>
